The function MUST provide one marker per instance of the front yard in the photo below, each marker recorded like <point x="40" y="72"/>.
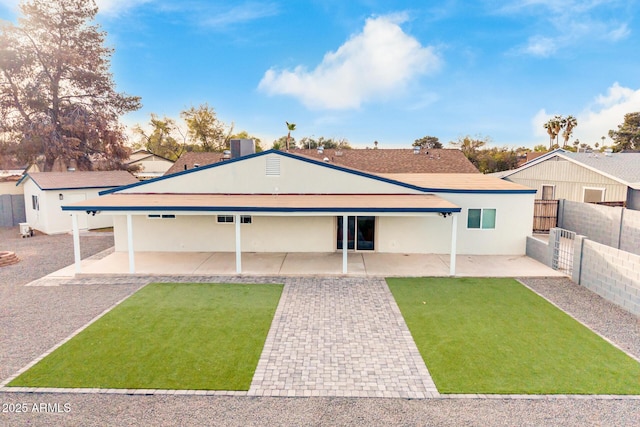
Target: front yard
<point x="167" y="336"/>
<point x="495" y="336"/>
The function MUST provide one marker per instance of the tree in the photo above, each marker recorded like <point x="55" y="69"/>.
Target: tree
<point x="553" y="127"/>
<point x="568" y="123"/>
<point x="204" y="128"/>
<point x="165" y="138"/>
<point x="627" y="137"/>
<point x="290" y="127"/>
<point x="427" y="142"/>
<point x="540" y="148"/>
<point x="57" y="95"/>
<point x="282" y="142"/>
<point x="469" y="146"/>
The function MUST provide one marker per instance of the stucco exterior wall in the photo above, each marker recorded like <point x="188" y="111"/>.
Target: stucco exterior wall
<point x="201" y="233"/>
<point x="427" y="235"/>
<point x="50" y="218"/>
<point x="514" y="222"/>
<point x="569" y="180"/>
<point x="249" y="176"/>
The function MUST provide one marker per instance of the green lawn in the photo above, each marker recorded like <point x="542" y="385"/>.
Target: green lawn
<point x="496" y="336"/>
<point x="167" y="336"/>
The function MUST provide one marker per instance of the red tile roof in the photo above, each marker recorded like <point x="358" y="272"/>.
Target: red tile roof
<point x="82" y="179"/>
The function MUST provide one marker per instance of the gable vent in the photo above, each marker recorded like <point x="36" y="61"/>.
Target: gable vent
<point x="273" y="166"/>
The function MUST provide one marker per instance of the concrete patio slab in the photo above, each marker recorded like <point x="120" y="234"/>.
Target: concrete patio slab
<point x="378" y="264"/>
<point x="370" y="264"/>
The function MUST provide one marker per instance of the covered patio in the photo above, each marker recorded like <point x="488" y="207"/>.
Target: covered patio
<point x="239" y="206"/>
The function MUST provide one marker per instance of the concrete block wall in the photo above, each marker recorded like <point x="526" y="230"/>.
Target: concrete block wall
<point x="630" y="231"/>
<point x="596" y="222"/>
<point x="539" y="250"/>
<point x="611" y="273"/>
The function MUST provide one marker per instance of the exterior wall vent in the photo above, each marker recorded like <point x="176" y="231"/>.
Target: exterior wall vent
<point x="273" y="166"/>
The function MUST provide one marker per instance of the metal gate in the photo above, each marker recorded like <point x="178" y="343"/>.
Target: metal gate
<point x="563" y="251"/>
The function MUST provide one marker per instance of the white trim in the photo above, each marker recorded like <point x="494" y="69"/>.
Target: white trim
<point x="76" y="243"/>
<point x="132" y="260"/>
<point x="238" y="245"/>
<point x="454" y="239"/>
<point x="601" y="189"/>
<point x="345" y="242"/>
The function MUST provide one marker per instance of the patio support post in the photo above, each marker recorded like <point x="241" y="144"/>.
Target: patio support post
<point x="238" y="247"/>
<point x="454" y="233"/>
<point x="76" y="242"/>
<point x="345" y="227"/>
<point x="132" y="261"/>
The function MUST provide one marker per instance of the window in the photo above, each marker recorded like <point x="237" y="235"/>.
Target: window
<point x="548" y="192"/>
<point x="34" y="203"/>
<point x="158" y="216"/>
<point x="481" y="218"/>
<point x="593" y="195"/>
<point x="225" y="218"/>
<point x="229" y="219"/>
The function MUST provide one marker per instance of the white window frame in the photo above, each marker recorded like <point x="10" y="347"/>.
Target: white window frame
<point x="244" y="219"/>
<point x="553" y="191"/>
<point x="161" y="216"/>
<point x="601" y="189"/>
<point x="481" y="216"/>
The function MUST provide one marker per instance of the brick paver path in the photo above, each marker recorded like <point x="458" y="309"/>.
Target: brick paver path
<point x="340" y="337"/>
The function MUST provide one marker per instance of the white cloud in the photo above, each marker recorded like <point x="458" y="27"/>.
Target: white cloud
<point x="594" y="121"/>
<point x="567" y="23"/>
<point x="245" y="12"/>
<point x="378" y="62"/>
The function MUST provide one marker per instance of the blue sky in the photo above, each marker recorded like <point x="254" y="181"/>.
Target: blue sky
<point x="369" y="70"/>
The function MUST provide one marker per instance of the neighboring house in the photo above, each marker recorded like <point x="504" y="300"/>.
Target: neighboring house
<point x="367" y="160"/>
<point x="276" y="201"/>
<point x="582" y="177"/>
<point x="46" y="192"/>
<point x="12" y="210"/>
<point x="148" y="165"/>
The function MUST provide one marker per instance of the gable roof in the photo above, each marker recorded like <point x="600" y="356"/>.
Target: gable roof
<point x="446" y="183"/>
<point x="140" y="155"/>
<point x="621" y="167"/>
<point x="79" y="179"/>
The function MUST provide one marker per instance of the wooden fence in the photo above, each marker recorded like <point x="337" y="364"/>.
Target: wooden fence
<point x="545" y="215"/>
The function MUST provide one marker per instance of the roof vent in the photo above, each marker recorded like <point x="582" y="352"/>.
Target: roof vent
<point x="71" y="169"/>
<point x="326" y="159"/>
<point x="416" y="149"/>
<point x="320" y="149"/>
<point x="196" y="165"/>
<point x="226" y="154"/>
<point x="338" y="153"/>
<point x="608" y="152"/>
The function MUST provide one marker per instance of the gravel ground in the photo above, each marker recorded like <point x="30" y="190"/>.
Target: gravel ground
<point x="32" y="319"/>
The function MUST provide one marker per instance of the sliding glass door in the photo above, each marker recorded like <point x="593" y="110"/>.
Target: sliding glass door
<point x="360" y="233"/>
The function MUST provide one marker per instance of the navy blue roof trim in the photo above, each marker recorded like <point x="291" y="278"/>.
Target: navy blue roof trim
<point x="248" y="209"/>
<point x="324" y="164"/>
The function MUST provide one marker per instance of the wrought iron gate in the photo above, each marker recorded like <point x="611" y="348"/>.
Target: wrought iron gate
<point x="563" y="251"/>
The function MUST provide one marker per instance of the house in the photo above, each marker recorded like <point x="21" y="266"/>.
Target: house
<point x="147" y="165"/>
<point x="46" y="192"/>
<point x="366" y="160"/>
<point x="582" y="177"/>
<point x="276" y="201"/>
<point x="12" y="210"/>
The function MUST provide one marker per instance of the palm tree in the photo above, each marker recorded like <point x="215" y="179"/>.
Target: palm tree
<point x="568" y="123"/>
<point x="553" y="127"/>
<point x="290" y="127"/>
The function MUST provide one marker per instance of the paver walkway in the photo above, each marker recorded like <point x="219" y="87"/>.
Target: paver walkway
<point x="340" y="337"/>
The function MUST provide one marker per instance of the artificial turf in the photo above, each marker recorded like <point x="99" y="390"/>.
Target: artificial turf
<point x="495" y="336"/>
<point x="167" y="336"/>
